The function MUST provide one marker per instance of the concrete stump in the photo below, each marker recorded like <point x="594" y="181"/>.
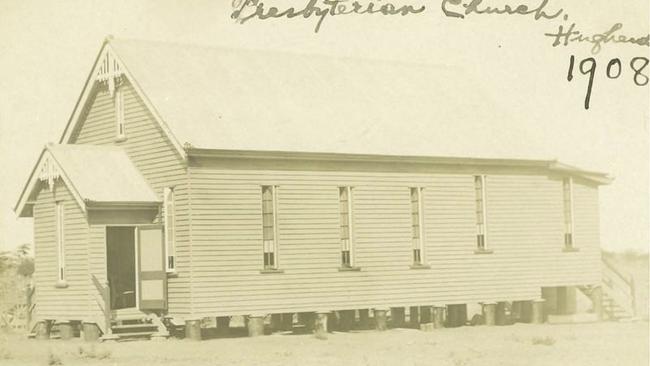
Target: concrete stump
<point x="43" y="329"/>
<point x="287" y="321"/>
<point x="193" y="329"/>
<point x="320" y="322"/>
<point x="223" y="325"/>
<point x="500" y="316"/>
<point x="397" y="317"/>
<point x="438" y="317"/>
<point x="65" y="329"/>
<point x="414" y="315"/>
<point x="255" y="325"/>
<point x="380" y="319"/>
<point x="346" y="320"/>
<point x="91" y="332"/>
<point x="364" y="318"/>
<point x="489" y="313"/>
<point x="538" y="311"/>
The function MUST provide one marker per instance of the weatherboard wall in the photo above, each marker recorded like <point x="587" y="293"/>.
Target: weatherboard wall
<point x="525" y="223"/>
<point x="160" y="164"/>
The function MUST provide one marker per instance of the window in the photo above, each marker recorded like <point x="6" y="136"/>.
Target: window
<point x="345" y="208"/>
<point x="170" y="228"/>
<point x="417" y="221"/>
<point x="60" y="237"/>
<point x="481" y="214"/>
<point x="119" y="113"/>
<point x="269" y="226"/>
<point x="567" y="188"/>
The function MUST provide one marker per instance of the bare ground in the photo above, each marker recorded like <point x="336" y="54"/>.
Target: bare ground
<point x="520" y="344"/>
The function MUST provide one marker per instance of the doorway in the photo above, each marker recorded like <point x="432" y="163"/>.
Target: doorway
<point x="120" y="265"/>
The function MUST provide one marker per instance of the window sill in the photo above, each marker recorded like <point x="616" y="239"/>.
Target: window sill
<point x="271" y="270"/>
<point x="349" y="269"/>
<point x="483" y="251"/>
<point x="61" y="284"/>
<point x="172" y="274"/>
<point x="420" y="266"/>
<point x="570" y="250"/>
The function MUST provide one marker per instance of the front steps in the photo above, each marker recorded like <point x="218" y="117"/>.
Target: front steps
<point x="136" y="327"/>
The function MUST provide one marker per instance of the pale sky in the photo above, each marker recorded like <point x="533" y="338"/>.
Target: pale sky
<point x="47" y="49"/>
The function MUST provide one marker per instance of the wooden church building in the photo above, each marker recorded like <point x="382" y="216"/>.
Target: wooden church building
<point x="194" y="182"/>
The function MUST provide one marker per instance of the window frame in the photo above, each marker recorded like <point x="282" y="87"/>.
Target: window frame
<point x="274" y="266"/>
<point x="350" y="232"/>
<point x="420" y="231"/>
<point x="481" y="228"/>
<point x="59" y="212"/>
<point x="118" y="99"/>
<point x="169" y="201"/>
<point x="569" y="223"/>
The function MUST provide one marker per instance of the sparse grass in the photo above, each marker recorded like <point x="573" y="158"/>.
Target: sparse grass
<point x="546" y="341"/>
<point x="93" y="353"/>
<point x="53" y="359"/>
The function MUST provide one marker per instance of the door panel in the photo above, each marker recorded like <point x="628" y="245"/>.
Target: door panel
<point x="151" y="268"/>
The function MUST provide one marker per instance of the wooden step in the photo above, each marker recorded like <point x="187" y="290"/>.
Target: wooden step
<point x="135" y="334"/>
<point x="134" y="326"/>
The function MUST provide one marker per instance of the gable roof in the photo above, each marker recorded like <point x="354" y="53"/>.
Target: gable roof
<point x="223" y="99"/>
<point x="114" y="178"/>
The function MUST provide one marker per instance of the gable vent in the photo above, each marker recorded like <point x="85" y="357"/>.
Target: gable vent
<point x="109" y="71"/>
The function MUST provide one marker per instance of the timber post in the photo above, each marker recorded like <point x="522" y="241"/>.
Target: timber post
<point x="397" y="317"/>
<point x="65" y="329"/>
<point x="90" y="331"/>
<point x="537" y="316"/>
<point x="438" y="316"/>
<point x="380" y="319"/>
<point x="43" y="329"/>
<point x="364" y="318"/>
<point x="255" y="325"/>
<point x="193" y="329"/>
<point x="500" y="317"/>
<point x="320" y="322"/>
<point x="489" y="313"/>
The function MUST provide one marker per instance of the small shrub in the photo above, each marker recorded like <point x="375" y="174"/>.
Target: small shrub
<point x="92" y="353"/>
<point x="546" y="341"/>
<point x="53" y="359"/>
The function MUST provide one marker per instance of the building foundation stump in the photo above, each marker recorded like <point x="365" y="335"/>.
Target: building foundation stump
<point x="43" y="329"/>
<point x="346" y="320"/>
<point x="438" y="317"/>
<point x="500" y="316"/>
<point x="380" y="319"/>
<point x="193" y="329"/>
<point x="364" y="318"/>
<point x="489" y="313"/>
<point x="397" y="317"/>
<point x="255" y="325"/>
<point x="320" y="322"/>
<point x="287" y="321"/>
<point x="65" y="329"/>
<point x="537" y="316"/>
<point x="91" y="332"/>
<point x="414" y="315"/>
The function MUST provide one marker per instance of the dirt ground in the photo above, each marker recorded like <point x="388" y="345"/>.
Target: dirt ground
<point x="593" y="344"/>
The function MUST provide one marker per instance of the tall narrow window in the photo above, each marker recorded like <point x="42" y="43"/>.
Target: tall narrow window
<point x="481" y="214"/>
<point x="567" y="188"/>
<point x="60" y="238"/>
<point x="269" y="222"/>
<point x="345" y="208"/>
<point x="170" y="228"/>
<point x="416" y="223"/>
<point x="119" y="113"/>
